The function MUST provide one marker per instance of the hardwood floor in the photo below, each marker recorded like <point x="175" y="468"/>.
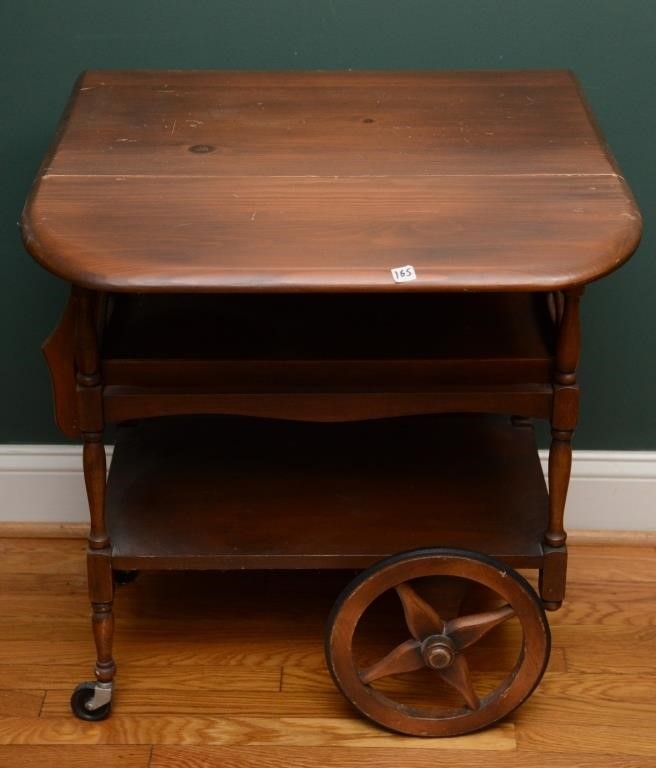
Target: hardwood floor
<point x="227" y="670"/>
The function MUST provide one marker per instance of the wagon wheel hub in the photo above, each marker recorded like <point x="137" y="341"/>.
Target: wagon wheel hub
<point x="436" y="644"/>
<point x="438" y="651"/>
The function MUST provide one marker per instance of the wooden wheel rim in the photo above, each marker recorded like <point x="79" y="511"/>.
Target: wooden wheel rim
<point x="514" y="689"/>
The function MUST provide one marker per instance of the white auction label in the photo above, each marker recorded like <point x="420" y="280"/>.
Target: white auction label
<point x="404" y="274"/>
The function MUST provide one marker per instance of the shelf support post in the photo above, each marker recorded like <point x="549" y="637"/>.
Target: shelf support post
<point x="91" y="421"/>
<point x="564" y="414"/>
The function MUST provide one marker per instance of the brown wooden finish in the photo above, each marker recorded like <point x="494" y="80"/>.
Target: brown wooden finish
<point x="367" y="375"/>
<point x="230" y="238"/>
<point x="437" y="645"/>
<point x="532" y="233"/>
<point x="284" y="495"/>
<point x="328" y="358"/>
<point x="456" y="330"/>
<point x="565" y="414"/>
<point x="101" y="594"/>
<point x="91" y="420"/>
<point x="345" y="342"/>
<point x="90" y="414"/>
<point x="271" y="123"/>
<point x="127" y="403"/>
<point x="552" y="577"/>
<point x="232" y="181"/>
<point x="59" y="352"/>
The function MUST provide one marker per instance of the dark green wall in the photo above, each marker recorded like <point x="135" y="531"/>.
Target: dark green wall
<point x="608" y="43"/>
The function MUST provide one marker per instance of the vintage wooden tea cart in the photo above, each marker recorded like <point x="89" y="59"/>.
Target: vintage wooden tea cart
<point x="323" y="309"/>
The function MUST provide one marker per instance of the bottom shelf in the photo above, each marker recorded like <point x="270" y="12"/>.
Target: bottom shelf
<point x="230" y="492"/>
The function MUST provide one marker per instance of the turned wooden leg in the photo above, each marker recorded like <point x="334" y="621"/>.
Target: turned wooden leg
<point x="563" y="421"/>
<point x="95" y="472"/>
<point x="92" y="701"/>
<point x="560" y="465"/>
<point x="101" y="595"/>
<point x="99" y="567"/>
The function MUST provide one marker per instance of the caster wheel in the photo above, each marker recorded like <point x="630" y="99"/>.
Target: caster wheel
<point x="124" y="577"/>
<point x="415" y="663"/>
<point x="82" y="698"/>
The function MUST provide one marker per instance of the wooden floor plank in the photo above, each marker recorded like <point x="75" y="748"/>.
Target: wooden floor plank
<point x="639" y="739"/>
<point x="60" y="609"/>
<point x="618" y="603"/>
<point x="392" y="757"/>
<point x="42" y="556"/>
<point x="243" y="678"/>
<point x="138" y="651"/>
<point x="133" y="649"/>
<point x="619" y="701"/>
<point x="21" y="703"/>
<point x="130" y="701"/>
<point x="234" y="731"/>
<point x="602" y="649"/>
<point x="562" y="698"/>
<point x="73" y="756"/>
<point x="607" y="564"/>
<point x="29" y="585"/>
<point x="41" y="530"/>
<point x="600" y="661"/>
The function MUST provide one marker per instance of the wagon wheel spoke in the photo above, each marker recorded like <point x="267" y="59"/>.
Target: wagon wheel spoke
<point x="458" y="676"/>
<point x="466" y="630"/>
<point x="404" y="658"/>
<point x="421" y="618"/>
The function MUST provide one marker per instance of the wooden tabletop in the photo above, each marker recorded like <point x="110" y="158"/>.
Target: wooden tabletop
<point x="326" y="181"/>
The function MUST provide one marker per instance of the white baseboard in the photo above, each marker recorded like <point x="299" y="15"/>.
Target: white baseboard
<point x="610" y="490"/>
<point x="42" y="484"/>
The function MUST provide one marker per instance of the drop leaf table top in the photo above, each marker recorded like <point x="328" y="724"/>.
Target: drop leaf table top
<point x="220" y="181"/>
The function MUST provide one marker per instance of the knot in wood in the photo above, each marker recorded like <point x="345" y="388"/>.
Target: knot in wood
<point x="201" y="149"/>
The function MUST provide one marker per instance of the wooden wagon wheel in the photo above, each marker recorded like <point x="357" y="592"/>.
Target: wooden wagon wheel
<point x="437" y="646"/>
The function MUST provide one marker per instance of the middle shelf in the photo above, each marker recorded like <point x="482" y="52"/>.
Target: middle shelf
<point x="324" y="357"/>
<point x="233" y="492"/>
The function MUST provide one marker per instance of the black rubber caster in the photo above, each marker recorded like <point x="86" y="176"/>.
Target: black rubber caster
<point x="125" y="577"/>
<point x="81" y="699"/>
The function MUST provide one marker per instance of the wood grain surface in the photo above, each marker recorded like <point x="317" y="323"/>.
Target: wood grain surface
<point x="325" y="181"/>
<point x="594" y="708"/>
<point x="294" y="495"/>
